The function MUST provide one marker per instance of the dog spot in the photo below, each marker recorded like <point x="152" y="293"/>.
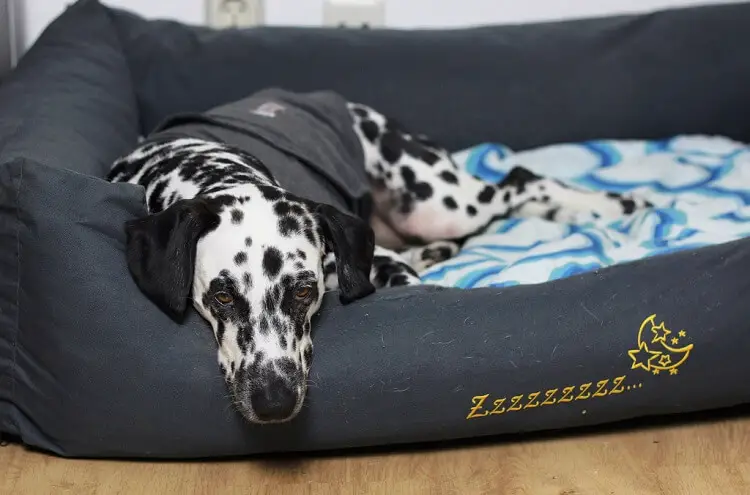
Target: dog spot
<point x="359" y="111"/>
<point x="263" y="326"/>
<point x="248" y="241"/>
<point x="422" y="190"/>
<point x="243" y="338"/>
<point x="237" y="216"/>
<point x="307" y="356"/>
<point x="281" y="208"/>
<point x="282" y="341"/>
<point x="223" y="369"/>
<point x="391" y="147"/>
<point x="232" y="367"/>
<point x="471" y="210"/>
<point x="240" y="258"/>
<point x="450" y="203"/>
<point x="551" y="213"/>
<point x="486" y="194"/>
<point x="288" y="225"/>
<point x="449" y="177"/>
<point x="301" y="254"/>
<point x="399" y="279"/>
<point x="270" y="193"/>
<point x="628" y="205"/>
<point x="247" y="279"/>
<point x="272" y="262"/>
<point x="370" y="129"/>
<point x="506" y="197"/>
<point x="544" y="198"/>
<point x="310" y="235"/>
<point x="298" y="265"/>
<point x="155" y="200"/>
<point x="220" y="329"/>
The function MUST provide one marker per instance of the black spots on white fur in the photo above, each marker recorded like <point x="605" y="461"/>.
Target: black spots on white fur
<point x="307" y="356"/>
<point x="272" y="262"/>
<point x="237" y="216"/>
<point x="298" y="265"/>
<point x="506" y="197"/>
<point x="628" y="205"/>
<point x="519" y="178"/>
<point x="248" y="241"/>
<point x="471" y="210"/>
<point x="156" y="198"/>
<point x="270" y="193"/>
<point x="359" y="111"/>
<point x="247" y="279"/>
<point x="301" y="254"/>
<point x="243" y="338"/>
<point x="449" y="177"/>
<point x="450" y="203"/>
<point x="422" y="190"/>
<point x="220" y="330"/>
<point x="240" y="258"/>
<point x="390" y="272"/>
<point x="288" y="225"/>
<point x="370" y="129"/>
<point x="391" y="147"/>
<point x="486" y="194"/>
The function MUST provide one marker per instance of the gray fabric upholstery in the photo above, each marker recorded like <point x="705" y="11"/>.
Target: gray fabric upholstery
<point x="88" y="367"/>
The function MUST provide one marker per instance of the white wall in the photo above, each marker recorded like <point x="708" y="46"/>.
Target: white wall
<point x="399" y="13"/>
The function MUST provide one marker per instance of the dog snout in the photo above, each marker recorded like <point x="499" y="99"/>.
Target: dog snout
<point x="277" y="399"/>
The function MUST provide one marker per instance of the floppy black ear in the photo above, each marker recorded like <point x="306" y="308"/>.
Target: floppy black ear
<point x="161" y="252"/>
<point x="353" y="243"/>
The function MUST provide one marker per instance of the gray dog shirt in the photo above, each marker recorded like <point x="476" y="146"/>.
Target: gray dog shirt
<point x="306" y="141"/>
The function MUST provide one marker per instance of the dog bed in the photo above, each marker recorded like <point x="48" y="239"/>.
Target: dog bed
<point x="88" y="367"/>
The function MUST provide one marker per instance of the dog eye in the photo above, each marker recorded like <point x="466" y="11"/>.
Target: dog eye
<point x="303" y="292"/>
<point x="223" y="298"/>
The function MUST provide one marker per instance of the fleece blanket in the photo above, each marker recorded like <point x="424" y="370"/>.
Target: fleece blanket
<point x="700" y="186"/>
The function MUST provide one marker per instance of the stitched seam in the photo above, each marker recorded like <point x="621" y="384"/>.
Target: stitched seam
<point x="14" y="370"/>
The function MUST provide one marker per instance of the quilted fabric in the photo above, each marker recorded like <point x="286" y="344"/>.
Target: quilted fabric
<point x="699" y="184"/>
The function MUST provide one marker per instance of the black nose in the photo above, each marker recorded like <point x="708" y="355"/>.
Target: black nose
<point x="275" y="401"/>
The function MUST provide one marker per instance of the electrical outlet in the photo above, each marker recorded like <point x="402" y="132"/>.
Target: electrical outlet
<point x="234" y="13"/>
<point x="354" y="13"/>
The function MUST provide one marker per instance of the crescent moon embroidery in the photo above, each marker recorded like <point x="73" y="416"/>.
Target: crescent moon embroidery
<point x="654" y="354"/>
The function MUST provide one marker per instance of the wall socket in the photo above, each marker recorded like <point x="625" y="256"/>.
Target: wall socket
<point x="222" y="14"/>
<point x="354" y="13"/>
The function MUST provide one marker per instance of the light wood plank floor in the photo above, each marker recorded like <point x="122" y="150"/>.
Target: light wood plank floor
<point x="703" y="458"/>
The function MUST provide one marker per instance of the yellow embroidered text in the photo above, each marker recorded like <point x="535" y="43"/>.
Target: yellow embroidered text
<point x="485" y="405"/>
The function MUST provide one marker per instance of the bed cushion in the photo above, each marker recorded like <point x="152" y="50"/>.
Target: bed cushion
<point x="88" y="367"/>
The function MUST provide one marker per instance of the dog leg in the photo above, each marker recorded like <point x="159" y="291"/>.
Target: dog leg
<point x="389" y="269"/>
<point x="421" y="258"/>
<point x="423" y="196"/>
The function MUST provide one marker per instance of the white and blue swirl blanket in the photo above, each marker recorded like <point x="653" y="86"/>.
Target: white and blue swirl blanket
<point x="699" y="184"/>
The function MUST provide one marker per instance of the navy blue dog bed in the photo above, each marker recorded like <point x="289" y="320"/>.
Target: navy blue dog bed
<point x="89" y="367"/>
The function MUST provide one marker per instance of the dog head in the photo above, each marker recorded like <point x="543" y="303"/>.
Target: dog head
<point x="250" y="259"/>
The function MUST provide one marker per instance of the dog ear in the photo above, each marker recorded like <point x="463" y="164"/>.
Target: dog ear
<point x="353" y="243"/>
<point x="161" y="252"/>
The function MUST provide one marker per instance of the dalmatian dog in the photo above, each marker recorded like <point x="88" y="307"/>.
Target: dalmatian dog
<point x="254" y="260"/>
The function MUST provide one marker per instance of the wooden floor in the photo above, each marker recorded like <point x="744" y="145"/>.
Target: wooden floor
<point x="695" y="458"/>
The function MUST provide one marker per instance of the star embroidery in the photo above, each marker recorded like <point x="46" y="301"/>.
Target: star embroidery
<point x="655" y="371"/>
<point x="675" y="341"/>
<point x="682" y="333"/>
<point x="673" y="371"/>
<point x="664" y="360"/>
<point x="642" y="357"/>
<point x="660" y="333"/>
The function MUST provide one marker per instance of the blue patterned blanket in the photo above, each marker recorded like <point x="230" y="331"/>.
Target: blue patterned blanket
<point x="699" y="184"/>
